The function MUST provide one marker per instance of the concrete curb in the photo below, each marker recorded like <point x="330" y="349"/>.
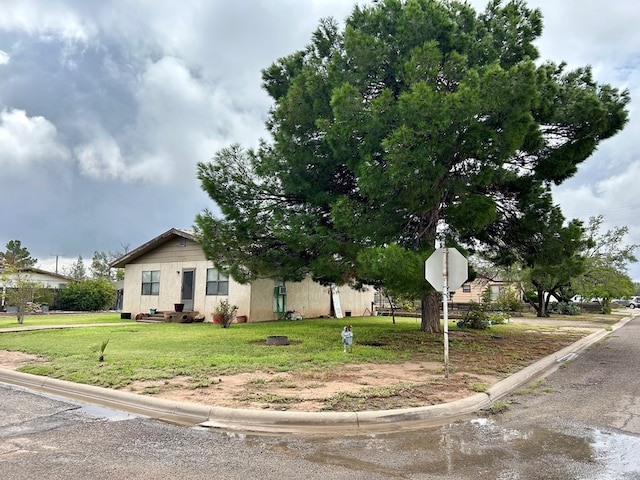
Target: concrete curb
<point x="185" y="413"/>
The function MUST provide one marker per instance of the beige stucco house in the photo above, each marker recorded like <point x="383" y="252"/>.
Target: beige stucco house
<point x="473" y="291"/>
<point x="172" y="269"/>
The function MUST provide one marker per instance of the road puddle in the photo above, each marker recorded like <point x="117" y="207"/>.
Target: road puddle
<point x="479" y="448"/>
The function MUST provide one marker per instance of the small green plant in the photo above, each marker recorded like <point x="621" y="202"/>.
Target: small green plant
<point x="478" y="387"/>
<point x="99" y="349"/>
<point x="497" y="407"/>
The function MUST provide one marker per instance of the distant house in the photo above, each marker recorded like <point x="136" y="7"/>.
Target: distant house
<point x="473" y="291"/>
<point x="172" y="269"/>
<point x="44" y="279"/>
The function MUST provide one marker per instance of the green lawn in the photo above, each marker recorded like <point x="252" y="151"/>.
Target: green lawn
<point x="205" y="351"/>
<point x="156" y="351"/>
<point x="10" y="321"/>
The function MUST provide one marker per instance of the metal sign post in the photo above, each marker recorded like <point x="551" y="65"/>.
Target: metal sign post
<point x="446" y="269"/>
<point x="445" y="308"/>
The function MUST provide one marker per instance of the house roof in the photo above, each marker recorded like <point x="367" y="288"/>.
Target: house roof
<point x="38" y="270"/>
<point x="152" y="245"/>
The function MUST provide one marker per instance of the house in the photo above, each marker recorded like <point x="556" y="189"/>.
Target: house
<point x="172" y="269"/>
<point x="45" y="279"/>
<point x="473" y="291"/>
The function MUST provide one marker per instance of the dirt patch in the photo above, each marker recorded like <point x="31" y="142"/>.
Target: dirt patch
<point x="352" y="387"/>
<point x="15" y="360"/>
<point x="346" y="388"/>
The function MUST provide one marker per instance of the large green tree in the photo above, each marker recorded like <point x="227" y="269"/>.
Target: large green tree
<point x="419" y="119"/>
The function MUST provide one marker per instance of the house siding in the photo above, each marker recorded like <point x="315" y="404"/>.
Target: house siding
<point x="176" y="249"/>
<point x="256" y="300"/>
<point x="170" y="287"/>
<point x="308" y="298"/>
<point x="477" y="288"/>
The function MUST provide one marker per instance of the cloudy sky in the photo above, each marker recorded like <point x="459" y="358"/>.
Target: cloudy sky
<point x="106" y="107"/>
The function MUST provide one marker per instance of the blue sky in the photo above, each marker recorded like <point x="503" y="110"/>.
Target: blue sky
<point x="106" y="108"/>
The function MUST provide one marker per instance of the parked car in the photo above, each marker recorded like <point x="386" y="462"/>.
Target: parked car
<point x="634" y="302"/>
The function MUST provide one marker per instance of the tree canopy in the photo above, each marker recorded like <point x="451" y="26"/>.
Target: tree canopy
<point x="419" y="120"/>
<point x="606" y="262"/>
<point x="16" y="256"/>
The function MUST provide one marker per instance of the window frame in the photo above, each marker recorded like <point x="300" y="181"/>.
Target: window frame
<point x="152" y="284"/>
<point x="217" y="286"/>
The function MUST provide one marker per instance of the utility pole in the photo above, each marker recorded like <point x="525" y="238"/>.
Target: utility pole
<point x="57" y="255"/>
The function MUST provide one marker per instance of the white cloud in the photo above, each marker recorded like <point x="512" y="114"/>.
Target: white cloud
<point x="100" y="158"/>
<point x="46" y="20"/>
<point x="28" y="140"/>
<point x="4" y="57"/>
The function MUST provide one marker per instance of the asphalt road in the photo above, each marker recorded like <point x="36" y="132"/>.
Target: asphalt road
<point x="583" y="422"/>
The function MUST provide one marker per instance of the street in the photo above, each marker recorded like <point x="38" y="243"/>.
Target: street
<point x="582" y="422"/>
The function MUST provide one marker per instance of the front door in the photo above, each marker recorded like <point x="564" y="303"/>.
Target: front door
<point x="188" y="277"/>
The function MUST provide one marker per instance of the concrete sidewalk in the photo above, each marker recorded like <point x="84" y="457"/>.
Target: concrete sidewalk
<point x="301" y="422"/>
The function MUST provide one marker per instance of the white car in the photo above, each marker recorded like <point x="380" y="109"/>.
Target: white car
<point x="634" y="302"/>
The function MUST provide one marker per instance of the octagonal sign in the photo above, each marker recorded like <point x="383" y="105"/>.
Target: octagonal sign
<point x="457" y="269"/>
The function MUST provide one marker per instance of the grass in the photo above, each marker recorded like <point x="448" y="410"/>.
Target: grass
<point x="204" y="351"/>
<point x="10" y="321"/>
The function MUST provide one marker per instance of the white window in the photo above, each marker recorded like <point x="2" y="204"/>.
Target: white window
<point x="217" y="283"/>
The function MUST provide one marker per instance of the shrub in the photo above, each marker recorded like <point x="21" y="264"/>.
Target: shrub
<point x="508" y="300"/>
<point x="226" y="312"/>
<point x="564" y="308"/>
<point x="476" y="318"/>
<point x="87" y="295"/>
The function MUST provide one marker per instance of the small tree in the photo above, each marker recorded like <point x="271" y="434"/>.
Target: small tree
<point x="100" y="266"/>
<point x="21" y="293"/>
<point x="77" y="270"/>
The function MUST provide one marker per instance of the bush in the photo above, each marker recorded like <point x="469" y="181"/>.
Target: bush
<point x="476" y="318"/>
<point x="226" y="312"/>
<point x="508" y="301"/>
<point x="87" y="295"/>
<point x="564" y="308"/>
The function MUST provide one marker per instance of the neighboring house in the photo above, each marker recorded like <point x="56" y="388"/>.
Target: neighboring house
<point x="44" y="279"/>
<point x="473" y="291"/>
<point x="172" y="269"/>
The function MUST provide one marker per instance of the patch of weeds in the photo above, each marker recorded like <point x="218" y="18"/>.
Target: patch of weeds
<point x="315" y="385"/>
<point x="258" y="382"/>
<point x="362" y="396"/>
<point x="284" y="382"/>
<point x="536" y="389"/>
<point x="497" y="407"/>
<point x="150" y="391"/>
<point x="204" y="383"/>
<point x="479" y="387"/>
<point x="440" y="371"/>
<point x="565" y="364"/>
<point x="269" y="398"/>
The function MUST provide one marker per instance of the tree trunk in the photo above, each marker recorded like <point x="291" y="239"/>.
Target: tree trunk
<point x="430" y="313"/>
<point x="541" y="310"/>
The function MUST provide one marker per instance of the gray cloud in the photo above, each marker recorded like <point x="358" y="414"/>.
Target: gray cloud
<point x="106" y="107"/>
